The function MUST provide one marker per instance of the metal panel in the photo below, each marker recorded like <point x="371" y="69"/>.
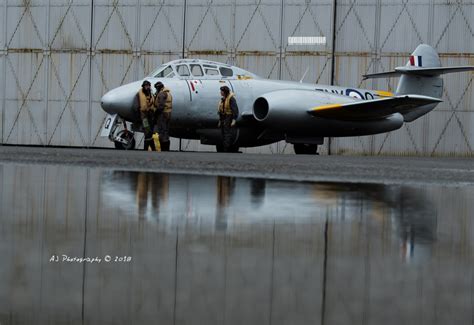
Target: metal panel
<point x="452" y="133"/>
<point x="2" y="94"/>
<point x="58" y="57"/>
<point x="69" y="25"/>
<point x="24" y="96"/>
<point x="3" y="58"/>
<point x="403" y="25"/>
<point x="209" y="26"/>
<point x="356" y="25"/>
<point x="114" y="26"/>
<point x="26" y="26"/>
<point x="303" y="18"/>
<point x="160" y="26"/>
<point x="114" y="37"/>
<point x="68" y="105"/>
<point x="453" y="26"/>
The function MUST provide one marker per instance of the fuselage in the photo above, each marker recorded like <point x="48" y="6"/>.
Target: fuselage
<point x="195" y="101"/>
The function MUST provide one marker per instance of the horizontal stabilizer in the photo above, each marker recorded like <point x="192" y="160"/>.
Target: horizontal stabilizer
<point x="418" y="71"/>
<point x="372" y="109"/>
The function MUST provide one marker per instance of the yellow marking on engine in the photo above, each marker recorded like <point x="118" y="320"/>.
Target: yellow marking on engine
<point x="384" y="93"/>
<point x="326" y="107"/>
<point x="243" y="77"/>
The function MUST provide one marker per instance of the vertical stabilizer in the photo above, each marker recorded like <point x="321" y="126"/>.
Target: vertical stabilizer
<point x="423" y="57"/>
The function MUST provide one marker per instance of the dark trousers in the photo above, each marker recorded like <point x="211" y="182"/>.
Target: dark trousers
<point x="227" y="132"/>
<point x="163" y="123"/>
<point x="148" y="141"/>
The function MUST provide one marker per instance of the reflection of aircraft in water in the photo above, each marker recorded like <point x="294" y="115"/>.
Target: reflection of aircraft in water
<point x="299" y="113"/>
<point x="216" y="200"/>
<point x="409" y="209"/>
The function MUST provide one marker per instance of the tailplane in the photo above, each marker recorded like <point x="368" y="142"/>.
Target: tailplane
<point x="420" y="76"/>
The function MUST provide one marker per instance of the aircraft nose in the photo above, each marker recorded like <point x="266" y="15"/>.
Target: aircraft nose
<point x="121" y="100"/>
<point x="107" y="102"/>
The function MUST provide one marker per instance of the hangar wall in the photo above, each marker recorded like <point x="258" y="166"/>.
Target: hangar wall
<point x="57" y="57"/>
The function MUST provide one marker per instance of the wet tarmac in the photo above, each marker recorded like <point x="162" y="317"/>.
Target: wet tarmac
<point x="83" y="245"/>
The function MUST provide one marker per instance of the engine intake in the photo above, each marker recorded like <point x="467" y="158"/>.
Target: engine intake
<point x="260" y="109"/>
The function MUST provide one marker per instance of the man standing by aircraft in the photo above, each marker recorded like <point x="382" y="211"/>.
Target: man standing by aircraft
<point x="228" y="112"/>
<point x="163" y="106"/>
<point x="145" y="99"/>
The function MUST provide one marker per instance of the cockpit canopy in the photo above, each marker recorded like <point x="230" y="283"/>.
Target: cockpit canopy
<point x="200" y="69"/>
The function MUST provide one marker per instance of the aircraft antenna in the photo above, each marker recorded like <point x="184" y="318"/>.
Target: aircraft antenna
<point x="304" y="75"/>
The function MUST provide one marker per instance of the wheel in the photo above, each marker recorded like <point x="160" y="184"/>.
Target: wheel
<point x="128" y="140"/>
<point x="305" y="149"/>
<point x="220" y="148"/>
<point x="234" y="149"/>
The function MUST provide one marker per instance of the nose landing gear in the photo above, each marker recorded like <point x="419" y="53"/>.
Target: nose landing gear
<point x="123" y="139"/>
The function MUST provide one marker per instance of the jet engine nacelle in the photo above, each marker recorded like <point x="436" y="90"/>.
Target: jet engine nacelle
<point x="287" y="110"/>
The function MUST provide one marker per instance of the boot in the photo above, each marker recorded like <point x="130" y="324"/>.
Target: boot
<point x="165" y="146"/>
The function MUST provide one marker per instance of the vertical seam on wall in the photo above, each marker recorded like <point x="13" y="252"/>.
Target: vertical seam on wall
<point x="333" y="55"/>
<point x="46" y="75"/>
<point x="183" y="50"/>
<point x="4" y="87"/>
<point x="137" y="46"/>
<point x="281" y="39"/>
<point x="426" y="119"/>
<point x="376" y="58"/>
<point x="233" y="49"/>
<point x="90" y="73"/>
<point x="280" y="56"/>
<point x="333" y="45"/>
<point x="184" y="29"/>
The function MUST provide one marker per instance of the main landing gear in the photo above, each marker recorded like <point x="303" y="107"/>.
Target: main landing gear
<point x="220" y="148"/>
<point x="305" y="149"/>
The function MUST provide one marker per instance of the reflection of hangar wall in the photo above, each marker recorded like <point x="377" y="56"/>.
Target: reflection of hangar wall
<point x="256" y="263"/>
<point x="58" y="57"/>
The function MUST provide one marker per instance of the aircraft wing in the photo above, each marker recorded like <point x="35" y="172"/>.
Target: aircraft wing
<point x="372" y="109"/>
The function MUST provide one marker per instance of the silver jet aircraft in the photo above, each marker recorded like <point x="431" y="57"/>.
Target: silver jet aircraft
<point x="270" y="110"/>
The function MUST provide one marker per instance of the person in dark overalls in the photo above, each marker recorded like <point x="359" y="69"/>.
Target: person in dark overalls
<point x="145" y="100"/>
<point x="228" y="112"/>
<point x="163" y="106"/>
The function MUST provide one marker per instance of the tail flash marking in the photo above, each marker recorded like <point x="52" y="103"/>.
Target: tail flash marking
<point x="415" y="60"/>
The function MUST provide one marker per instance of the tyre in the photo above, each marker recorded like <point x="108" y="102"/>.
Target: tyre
<point x="129" y="140"/>
<point x="305" y="149"/>
<point x="219" y="148"/>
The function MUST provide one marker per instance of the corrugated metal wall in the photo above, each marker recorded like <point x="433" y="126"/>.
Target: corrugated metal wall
<point x="57" y="58"/>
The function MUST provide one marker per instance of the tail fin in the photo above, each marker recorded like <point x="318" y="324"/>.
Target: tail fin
<point x="413" y="82"/>
<point x="420" y="76"/>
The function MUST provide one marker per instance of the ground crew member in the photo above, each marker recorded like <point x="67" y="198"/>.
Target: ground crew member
<point x="163" y="106"/>
<point x="145" y="99"/>
<point x="228" y="112"/>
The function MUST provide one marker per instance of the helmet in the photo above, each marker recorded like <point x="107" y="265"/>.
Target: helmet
<point x="225" y="89"/>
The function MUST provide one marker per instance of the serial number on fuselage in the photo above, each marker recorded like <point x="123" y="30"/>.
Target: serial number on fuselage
<point x="350" y="92"/>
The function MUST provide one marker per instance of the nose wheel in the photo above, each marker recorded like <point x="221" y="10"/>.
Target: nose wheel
<point x="125" y="140"/>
